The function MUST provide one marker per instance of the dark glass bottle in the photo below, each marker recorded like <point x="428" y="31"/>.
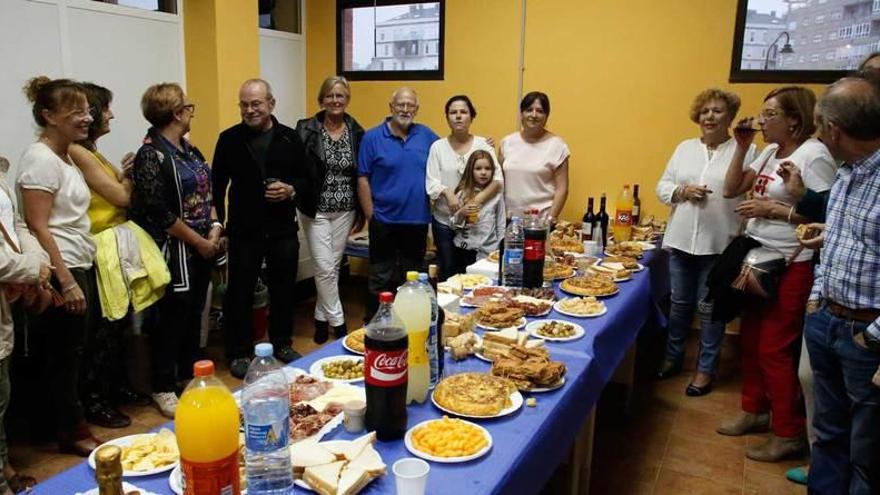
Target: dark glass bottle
<point x="601" y="233"/>
<point x="637" y="206"/>
<point x="587" y="222"/>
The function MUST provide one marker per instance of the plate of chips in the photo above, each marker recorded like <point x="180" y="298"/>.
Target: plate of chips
<point x="146" y="453"/>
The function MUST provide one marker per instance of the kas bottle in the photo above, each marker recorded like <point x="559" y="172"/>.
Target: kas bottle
<point x="413" y="306"/>
<point x="623" y="219"/>
<point x="386" y="350"/>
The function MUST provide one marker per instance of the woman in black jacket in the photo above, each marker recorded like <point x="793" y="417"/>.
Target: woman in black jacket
<point x="328" y="199"/>
<point x="172" y="201"/>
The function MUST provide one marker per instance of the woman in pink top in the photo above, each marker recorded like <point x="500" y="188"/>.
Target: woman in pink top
<point x="535" y="162"/>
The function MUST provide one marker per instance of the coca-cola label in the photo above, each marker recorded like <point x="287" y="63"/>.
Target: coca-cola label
<point x="534" y="250"/>
<point x="385" y="368"/>
<point x="624" y="217"/>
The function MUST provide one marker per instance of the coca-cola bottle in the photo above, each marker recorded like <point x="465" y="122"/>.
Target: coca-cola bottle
<point x="385" y="372"/>
<point x="534" y="250"/>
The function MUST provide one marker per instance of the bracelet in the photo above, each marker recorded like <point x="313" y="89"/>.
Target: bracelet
<point x="217" y="224"/>
<point x="790" y="213"/>
<point x="69" y="287"/>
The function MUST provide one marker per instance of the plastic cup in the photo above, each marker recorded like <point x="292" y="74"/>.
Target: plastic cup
<point x="410" y="476"/>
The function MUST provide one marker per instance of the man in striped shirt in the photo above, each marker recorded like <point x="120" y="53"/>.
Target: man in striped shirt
<point x="842" y="328"/>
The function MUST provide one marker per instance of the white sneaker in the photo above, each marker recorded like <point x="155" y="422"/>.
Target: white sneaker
<point x="166" y="402"/>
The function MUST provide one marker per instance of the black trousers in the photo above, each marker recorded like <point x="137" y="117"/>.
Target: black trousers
<point x="56" y="341"/>
<point x="394" y="250"/>
<point x="174" y="325"/>
<point x="245" y="261"/>
<point x="463" y="258"/>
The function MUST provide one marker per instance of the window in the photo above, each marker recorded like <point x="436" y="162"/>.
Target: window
<point x="281" y="15"/>
<point x="876" y="7"/>
<point x="836" y="16"/>
<point x="411" y="34"/>
<point x="169" y="6"/>
<point x="817" y="38"/>
<point x="820" y="19"/>
<point x="832" y="36"/>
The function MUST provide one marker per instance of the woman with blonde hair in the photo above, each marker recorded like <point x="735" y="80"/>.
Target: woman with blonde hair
<point x="55" y="200"/>
<point x="328" y="199"/>
<point x="702" y="223"/>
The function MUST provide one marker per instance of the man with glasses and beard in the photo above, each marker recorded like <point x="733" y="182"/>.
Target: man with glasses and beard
<point x="261" y="161"/>
<point x="391" y="189"/>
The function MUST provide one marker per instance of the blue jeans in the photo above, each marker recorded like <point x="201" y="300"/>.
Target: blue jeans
<point x="688" y="273"/>
<point x="443" y="236"/>
<point x="846" y="417"/>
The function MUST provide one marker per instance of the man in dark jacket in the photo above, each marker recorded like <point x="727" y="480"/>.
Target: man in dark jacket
<point x="261" y="161"/>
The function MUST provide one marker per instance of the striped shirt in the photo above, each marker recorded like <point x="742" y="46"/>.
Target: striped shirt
<point x="849" y="273"/>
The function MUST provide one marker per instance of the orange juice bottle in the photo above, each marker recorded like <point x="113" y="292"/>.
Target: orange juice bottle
<point x="623" y="219"/>
<point x="206" y="423"/>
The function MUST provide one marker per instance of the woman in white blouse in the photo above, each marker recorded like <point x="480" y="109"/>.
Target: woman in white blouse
<point x="701" y="225"/>
<point x="446" y="162"/>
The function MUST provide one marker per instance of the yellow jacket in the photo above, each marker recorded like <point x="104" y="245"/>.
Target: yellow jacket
<point x="124" y="279"/>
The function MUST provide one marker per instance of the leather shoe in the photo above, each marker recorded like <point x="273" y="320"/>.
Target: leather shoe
<point x="103" y="414"/>
<point x="695" y="391"/>
<point x="778" y="448"/>
<point x="322" y="332"/>
<point x="340" y="331"/>
<point x="744" y="423"/>
<point x="286" y="354"/>
<point x="238" y="367"/>
<point x="127" y="396"/>
<point x="668" y="369"/>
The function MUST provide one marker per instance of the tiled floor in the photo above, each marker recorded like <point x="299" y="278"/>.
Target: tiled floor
<point x="665" y="444"/>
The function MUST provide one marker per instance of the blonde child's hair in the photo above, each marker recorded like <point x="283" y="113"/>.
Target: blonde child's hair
<point x="467" y="184"/>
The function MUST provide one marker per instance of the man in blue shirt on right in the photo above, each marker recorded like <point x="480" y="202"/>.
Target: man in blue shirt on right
<point x="392" y="161"/>
<point x="842" y="328"/>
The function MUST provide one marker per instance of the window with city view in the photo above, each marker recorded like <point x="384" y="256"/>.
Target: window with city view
<point x="803" y="40"/>
<point x="390" y="39"/>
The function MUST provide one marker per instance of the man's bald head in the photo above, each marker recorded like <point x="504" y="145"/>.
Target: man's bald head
<point x="852" y="104"/>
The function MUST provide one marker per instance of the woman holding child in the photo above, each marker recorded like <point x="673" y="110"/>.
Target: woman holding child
<point x="446" y="166"/>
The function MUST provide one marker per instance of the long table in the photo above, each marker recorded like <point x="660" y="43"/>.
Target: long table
<point x="529" y="444"/>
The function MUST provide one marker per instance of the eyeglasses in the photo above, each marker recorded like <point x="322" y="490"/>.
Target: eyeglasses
<point x="252" y="105"/>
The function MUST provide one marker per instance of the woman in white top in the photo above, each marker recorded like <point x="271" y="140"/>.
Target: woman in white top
<point x="701" y="225"/>
<point x="55" y="201"/>
<point x="446" y="162"/>
<point x="535" y="162"/>
<point x="770" y="329"/>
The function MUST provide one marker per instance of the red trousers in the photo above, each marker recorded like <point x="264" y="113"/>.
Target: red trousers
<point x="770" y="335"/>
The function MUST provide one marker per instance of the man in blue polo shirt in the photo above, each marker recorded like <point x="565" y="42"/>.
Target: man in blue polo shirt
<point x="391" y="189"/>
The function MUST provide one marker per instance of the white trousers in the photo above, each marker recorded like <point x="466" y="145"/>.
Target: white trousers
<point x="327" y="234"/>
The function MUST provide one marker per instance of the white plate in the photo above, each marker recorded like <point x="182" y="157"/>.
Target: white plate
<point x="613" y="254"/>
<point x="125" y="441"/>
<point x="647" y="246"/>
<point x="559" y="310"/>
<point x="479" y="280"/>
<point x="616" y="265"/>
<point x="533" y="327"/>
<point x="316" y="371"/>
<point x="520" y="324"/>
<point x="407" y="440"/>
<point x="349" y="349"/>
<point x="516" y="400"/>
<point x="555" y="386"/>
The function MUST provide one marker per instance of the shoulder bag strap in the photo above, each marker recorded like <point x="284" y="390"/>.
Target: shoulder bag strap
<point x="8" y="239"/>
<point x="744" y="221"/>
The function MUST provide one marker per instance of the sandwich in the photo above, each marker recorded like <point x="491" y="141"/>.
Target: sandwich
<point x="497" y="343"/>
<point x="308" y="453"/>
<point x="351" y="450"/>
<point x="324" y="479"/>
<point x="370" y="461"/>
<point x="353" y="480"/>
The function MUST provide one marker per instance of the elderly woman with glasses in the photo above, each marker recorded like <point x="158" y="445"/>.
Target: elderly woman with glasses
<point x="771" y="328"/>
<point x="172" y="201"/>
<point x="328" y="201"/>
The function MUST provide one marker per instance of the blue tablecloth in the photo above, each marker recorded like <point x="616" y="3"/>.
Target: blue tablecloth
<point x="528" y="444"/>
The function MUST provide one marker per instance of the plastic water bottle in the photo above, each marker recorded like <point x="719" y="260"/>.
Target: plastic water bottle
<point x="433" y="331"/>
<point x="265" y="402"/>
<point x="514" y="240"/>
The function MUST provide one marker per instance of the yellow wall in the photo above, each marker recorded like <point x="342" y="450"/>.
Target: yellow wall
<point x="620" y="76"/>
<point x="222" y="50"/>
